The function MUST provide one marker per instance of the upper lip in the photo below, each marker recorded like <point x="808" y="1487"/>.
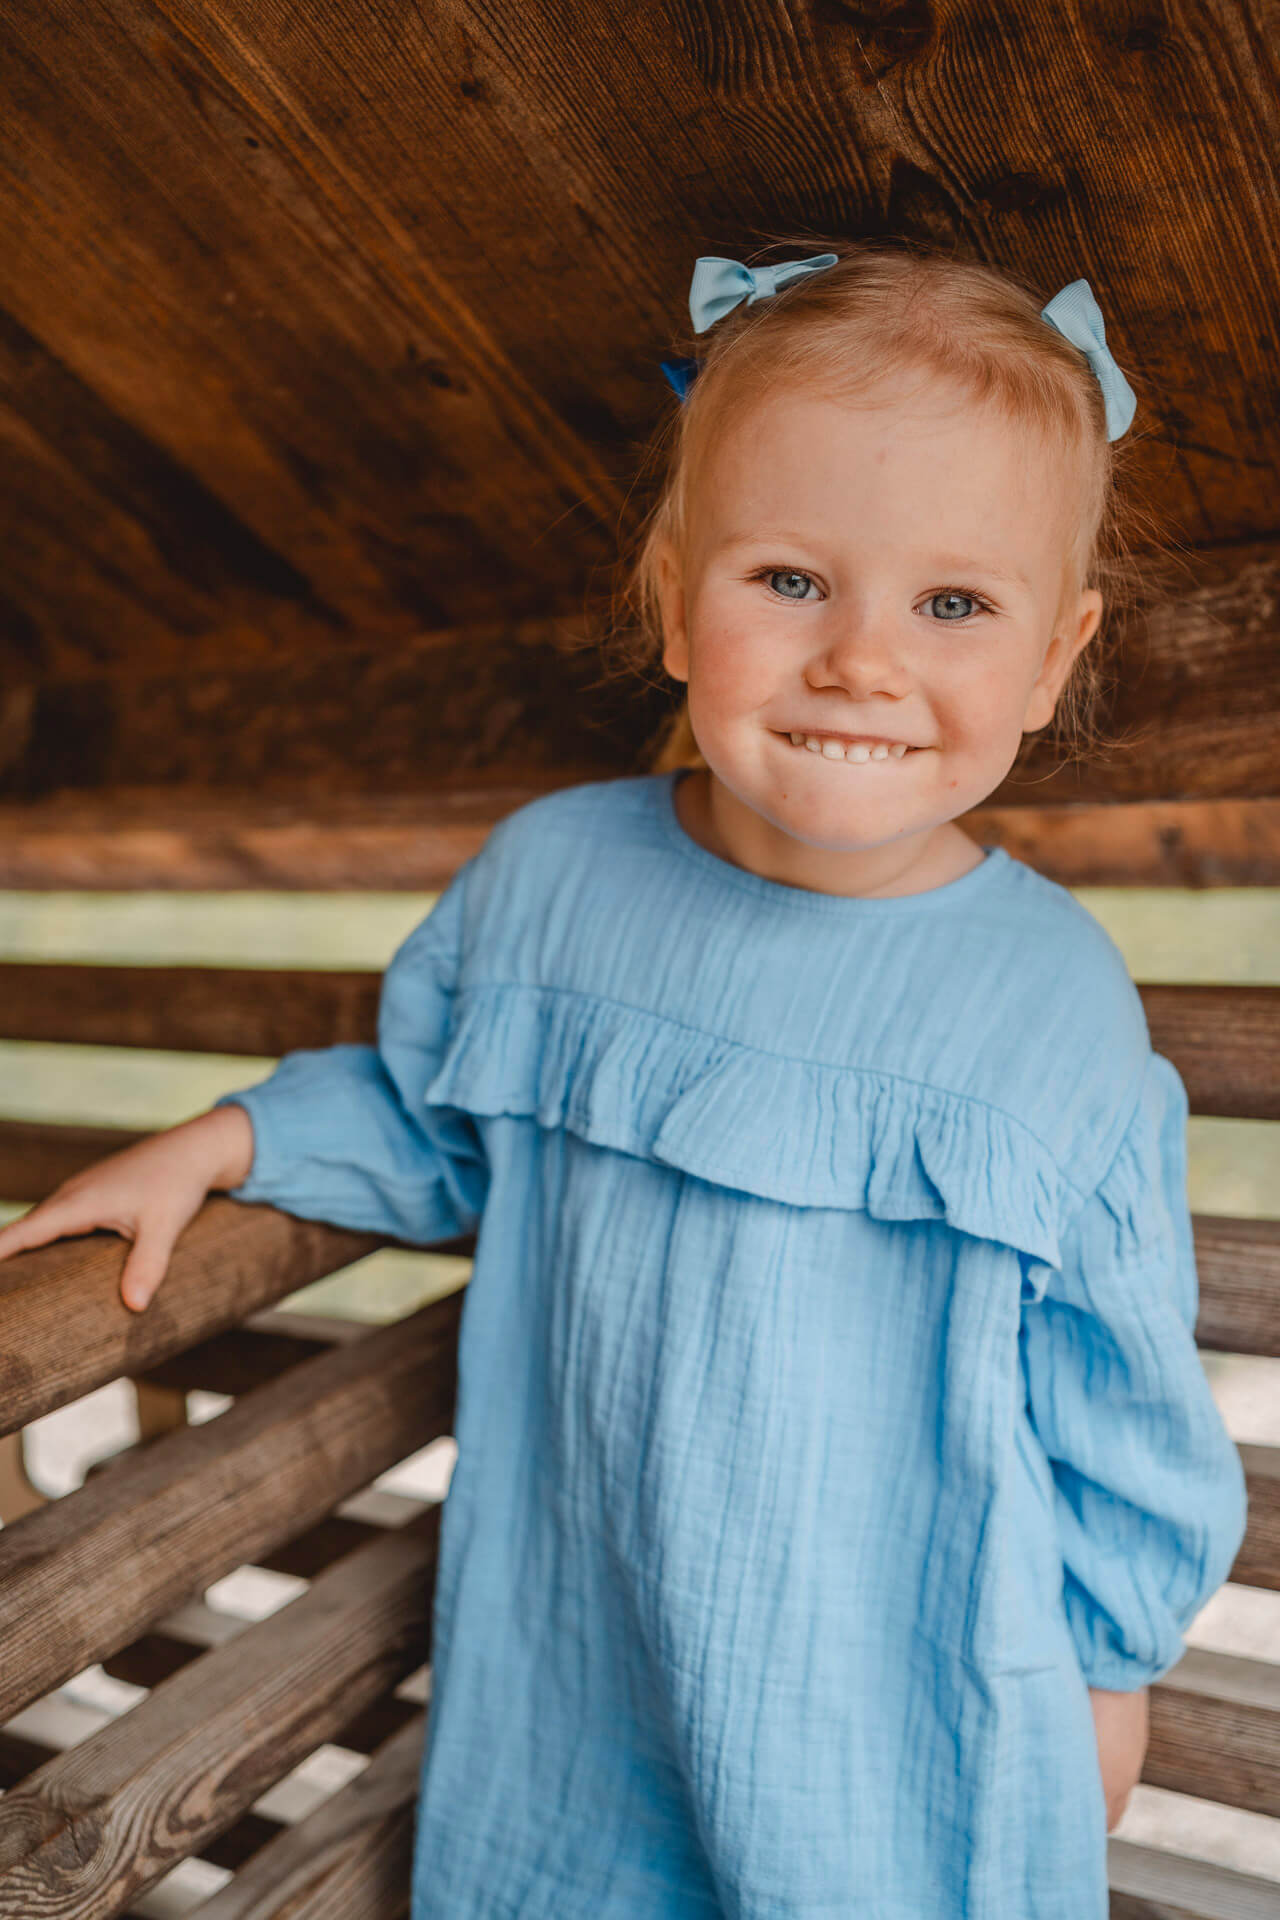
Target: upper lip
<point x="828" y="733"/>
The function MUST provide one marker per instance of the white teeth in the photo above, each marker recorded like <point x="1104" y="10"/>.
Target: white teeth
<point x="833" y="750"/>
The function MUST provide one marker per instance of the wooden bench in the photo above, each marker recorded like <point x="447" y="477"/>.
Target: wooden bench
<point x="115" y="1571"/>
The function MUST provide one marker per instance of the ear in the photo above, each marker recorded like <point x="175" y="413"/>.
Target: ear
<point x="675" y="638"/>
<point x="1072" y="634"/>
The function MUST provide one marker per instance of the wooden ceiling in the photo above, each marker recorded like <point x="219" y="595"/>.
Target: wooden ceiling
<point x="329" y="343"/>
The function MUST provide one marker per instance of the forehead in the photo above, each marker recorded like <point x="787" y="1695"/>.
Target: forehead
<point x="915" y="460"/>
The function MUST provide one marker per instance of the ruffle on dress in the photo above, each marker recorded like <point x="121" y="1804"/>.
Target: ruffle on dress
<point x="799" y="1131"/>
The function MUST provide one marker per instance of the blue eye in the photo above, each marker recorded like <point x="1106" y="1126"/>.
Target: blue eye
<point x="787" y="590"/>
<point x="952" y="594"/>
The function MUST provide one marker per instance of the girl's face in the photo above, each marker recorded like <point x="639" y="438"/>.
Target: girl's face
<point x="887" y="572"/>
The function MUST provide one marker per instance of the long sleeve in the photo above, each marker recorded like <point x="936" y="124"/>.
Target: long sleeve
<point x="1149" y="1489"/>
<point x="344" y="1134"/>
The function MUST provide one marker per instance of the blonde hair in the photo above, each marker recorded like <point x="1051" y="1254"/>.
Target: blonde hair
<point x="884" y="308"/>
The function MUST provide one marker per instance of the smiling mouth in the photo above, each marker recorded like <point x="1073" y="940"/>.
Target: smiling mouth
<point x="858" y="749"/>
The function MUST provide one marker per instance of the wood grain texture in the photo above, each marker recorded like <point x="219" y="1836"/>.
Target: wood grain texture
<point x="326" y="337"/>
<point x="1225" y="1041"/>
<point x="353" y="1855"/>
<point x="90" y="1571"/>
<point x="1150" y="1883"/>
<point x="103" y="1821"/>
<point x="1215" y="1731"/>
<point x="231" y="1260"/>
<point x="192" y="841"/>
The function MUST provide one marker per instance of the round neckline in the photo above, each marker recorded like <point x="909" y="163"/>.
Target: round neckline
<point x="855" y="905"/>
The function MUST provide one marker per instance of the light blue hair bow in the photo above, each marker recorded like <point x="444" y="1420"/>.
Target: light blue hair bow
<point x="718" y="286"/>
<point x="1078" y="318"/>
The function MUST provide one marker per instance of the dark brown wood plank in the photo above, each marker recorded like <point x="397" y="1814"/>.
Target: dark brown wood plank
<point x="37" y="1156"/>
<point x="199" y="839"/>
<point x="261" y="452"/>
<point x="1195" y="709"/>
<point x="232" y="1260"/>
<point x="193" y="839"/>
<point x="1238" y="1261"/>
<point x="205" y="1499"/>
<point x="1258" y="1562"/>
<point x="244" y="1357"/>
<point x="353" y="1855"/>
<point x="1225" y="1041"/>
<point x="190" y="1009"/>
<point x="1215" y="1731"/>
<point x="379" y="398"/>
<point x="105" y="1820"/>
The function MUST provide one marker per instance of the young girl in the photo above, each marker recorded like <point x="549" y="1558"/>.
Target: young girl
<point x="836" y="1469"/>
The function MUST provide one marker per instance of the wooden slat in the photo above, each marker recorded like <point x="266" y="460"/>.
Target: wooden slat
<point x="1148" y="1883"/>
<point x="102" y="1822"/>
<point x="232" y="1260"/>
<point x="206" y="1499"/>
<point x="36" y="1157"/>
<point x="249" y="1010"/>
<point x="353" y="1855"/>
<point x="200" y="840"/>
<point x="1225" y="1041"/>
<point x="54" y="1726"/>
<point x="1238" y="1261"/>
<point x="1258" y="1562"/>
<point x="193" y="840"/>
<point x="1178" y="843"/>
<point x="243" y="1357"/>
<point x="1215" y="1731"/>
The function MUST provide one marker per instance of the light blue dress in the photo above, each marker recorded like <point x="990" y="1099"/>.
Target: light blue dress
<point x="829" y="1412"/>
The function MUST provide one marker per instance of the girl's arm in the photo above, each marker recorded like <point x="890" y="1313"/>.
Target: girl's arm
<point x="341" y="1134"/>
<point x="1149" y="1490"/>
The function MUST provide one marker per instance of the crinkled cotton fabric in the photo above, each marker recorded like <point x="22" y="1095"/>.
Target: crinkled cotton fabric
<point x="829" y="1415"/>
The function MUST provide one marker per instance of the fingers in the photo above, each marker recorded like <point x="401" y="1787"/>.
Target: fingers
<point x="36" y="1229"/>
<point x="147" y="1264"/>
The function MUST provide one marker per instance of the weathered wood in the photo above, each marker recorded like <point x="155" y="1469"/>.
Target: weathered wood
<point x="197" y="838"/>
<point x="194" y="839"/>
<point x="1179" y="843"/>
<point x="230" y="1261"/>
<point x="246" y="1010"/>
<point x="1215" y="1731"/>
<point x="105" y="1820"/>
<point x="242" y="1358"/>
<point x="1224" y="1040"/>
<point x="49" y="1728"/>
<point x="37" y="1156"/>
<point x="1238" y="1261"/>
<point x="361" y="331"/>
<point x="1258" y="1562"/>
<point x="199" y="1502"/>
<point x="353" y="1855"/>
<point x="1149" y="1883"/>
<point x="1196" y="713"/>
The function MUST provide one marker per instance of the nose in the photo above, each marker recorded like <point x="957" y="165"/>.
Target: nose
<point x="863" y="654"/>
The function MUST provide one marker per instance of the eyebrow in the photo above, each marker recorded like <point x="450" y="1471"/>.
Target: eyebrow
<point x="947" y="562"/>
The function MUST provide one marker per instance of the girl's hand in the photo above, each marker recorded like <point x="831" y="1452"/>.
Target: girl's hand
<point x="148" y="1192"/>
<point x="1121" y="1723"/>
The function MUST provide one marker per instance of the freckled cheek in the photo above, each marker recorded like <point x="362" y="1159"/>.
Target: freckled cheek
<point x="731" y="672"/>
